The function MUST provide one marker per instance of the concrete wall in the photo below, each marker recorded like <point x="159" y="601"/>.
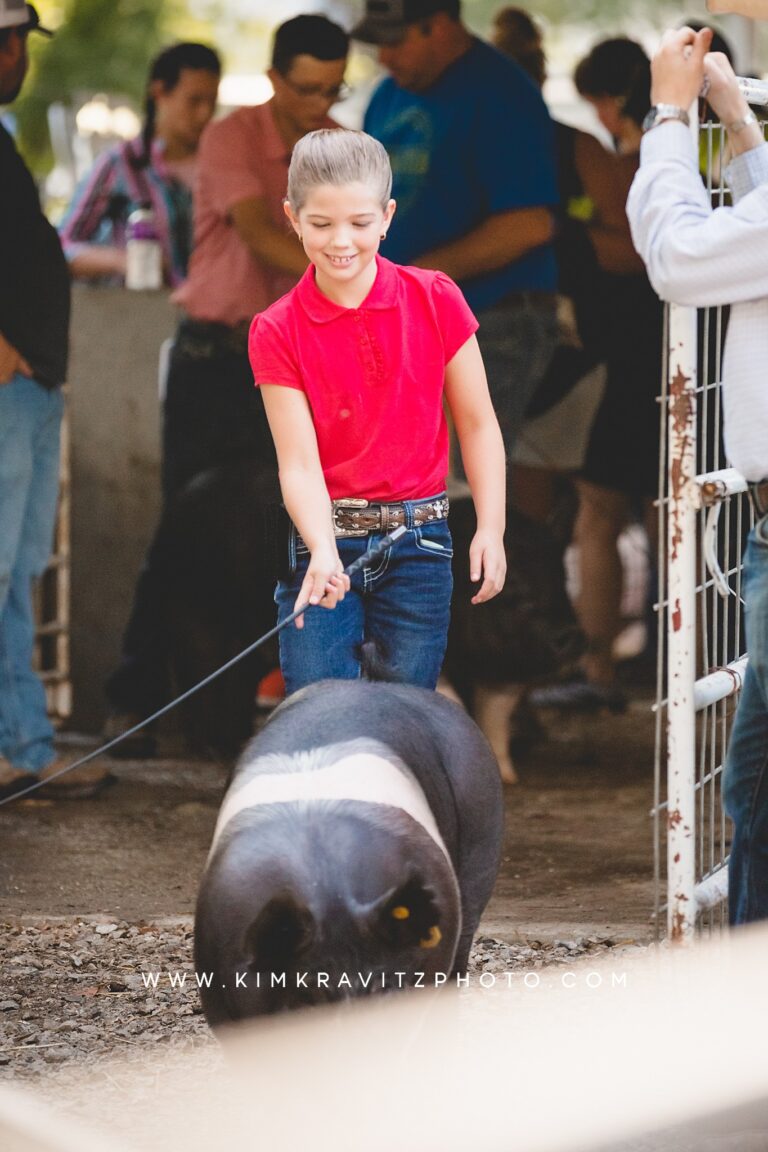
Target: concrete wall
<point x="115" y="435"/>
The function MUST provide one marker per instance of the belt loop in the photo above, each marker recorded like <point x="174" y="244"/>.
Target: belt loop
<point x="292" y="548"/>
<point x="408" y="512"/>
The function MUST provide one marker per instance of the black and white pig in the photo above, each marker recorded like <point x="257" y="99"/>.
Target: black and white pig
<point x="356" y="848"/>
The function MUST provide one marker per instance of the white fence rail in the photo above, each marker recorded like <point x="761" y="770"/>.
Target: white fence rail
<point x="704" y="519"/>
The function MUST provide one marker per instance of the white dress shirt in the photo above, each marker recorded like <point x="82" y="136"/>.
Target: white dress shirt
<point x="700" y="256"/>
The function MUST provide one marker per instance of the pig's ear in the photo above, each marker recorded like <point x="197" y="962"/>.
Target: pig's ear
<point x="282" y="931"/>
<point x="408" y="915"/>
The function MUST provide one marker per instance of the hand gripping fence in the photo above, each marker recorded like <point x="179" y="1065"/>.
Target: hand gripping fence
<point x="367" y="557"/>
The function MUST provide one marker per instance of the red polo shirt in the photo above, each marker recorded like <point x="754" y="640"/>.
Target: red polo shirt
<point x="373" y="377"/>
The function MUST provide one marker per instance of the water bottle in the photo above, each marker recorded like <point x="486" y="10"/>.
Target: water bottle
<point x="144" y="256"/>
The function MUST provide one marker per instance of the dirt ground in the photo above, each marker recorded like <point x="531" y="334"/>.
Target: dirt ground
<point x="95" y="893"/>
<point x="577" y="857"/>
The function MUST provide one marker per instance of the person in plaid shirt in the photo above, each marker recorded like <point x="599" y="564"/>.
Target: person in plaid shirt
<point x="156" y="169"/>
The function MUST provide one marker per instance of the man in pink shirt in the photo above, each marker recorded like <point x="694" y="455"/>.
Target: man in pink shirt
<point x="244" y="258"/>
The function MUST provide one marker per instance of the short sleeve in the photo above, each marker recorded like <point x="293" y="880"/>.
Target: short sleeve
<point x="455" y="318"/>
<point x="272" y="358"/>
<point x="228" y="165"/>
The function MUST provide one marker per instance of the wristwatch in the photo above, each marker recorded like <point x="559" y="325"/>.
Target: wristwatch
<point x="661" y="112"/>
<point x="740" y="124"/>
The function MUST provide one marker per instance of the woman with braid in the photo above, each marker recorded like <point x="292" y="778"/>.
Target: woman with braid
<point x="157" y="168"/>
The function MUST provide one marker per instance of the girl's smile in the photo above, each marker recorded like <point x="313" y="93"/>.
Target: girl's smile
<point x="341" y="227"/>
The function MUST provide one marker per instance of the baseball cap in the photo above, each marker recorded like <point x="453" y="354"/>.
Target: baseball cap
<point x="386" y="21"/>
<point x="17" y="14"/>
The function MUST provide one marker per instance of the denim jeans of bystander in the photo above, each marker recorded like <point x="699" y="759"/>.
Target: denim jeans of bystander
<point x="30" y="426"/>
<point x="401" y="603"/>
<point x="745" y="783"/>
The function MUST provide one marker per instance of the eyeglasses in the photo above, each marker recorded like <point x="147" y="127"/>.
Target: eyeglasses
<point x="315" y="92"/>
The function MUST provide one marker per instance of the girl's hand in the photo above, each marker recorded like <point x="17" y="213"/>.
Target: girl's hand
<point x="324" y="584"/>
<point x="487" y="559"/>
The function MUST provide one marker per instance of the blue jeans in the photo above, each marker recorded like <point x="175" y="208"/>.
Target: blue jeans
<point x="30" y="422"/>
<point x="745" y="782"/>
<point x="402" y="603"/>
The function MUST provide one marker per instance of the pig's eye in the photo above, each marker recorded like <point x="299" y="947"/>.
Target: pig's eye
<point x="433" y="939"/>
<point x="400" y="912"/>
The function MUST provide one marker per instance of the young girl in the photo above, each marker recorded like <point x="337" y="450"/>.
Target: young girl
<point x="353" y="365"/>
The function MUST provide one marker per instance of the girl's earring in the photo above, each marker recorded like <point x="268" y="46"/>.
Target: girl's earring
<point x="383" y="236"/>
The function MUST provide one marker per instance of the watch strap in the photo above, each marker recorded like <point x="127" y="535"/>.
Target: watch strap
<point x="661" y="112"/>
<point x="742" y="123"/>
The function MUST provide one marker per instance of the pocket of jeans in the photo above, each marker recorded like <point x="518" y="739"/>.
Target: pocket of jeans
<point x="434" y="539"/>
<point x="761" y="532"/>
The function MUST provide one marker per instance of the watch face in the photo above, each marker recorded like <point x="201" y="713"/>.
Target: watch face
<point x="650" y="119"/>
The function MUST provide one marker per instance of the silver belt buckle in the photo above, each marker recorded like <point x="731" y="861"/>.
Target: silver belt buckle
<point x="436" y="510"/>
<point x="347" y="502"/>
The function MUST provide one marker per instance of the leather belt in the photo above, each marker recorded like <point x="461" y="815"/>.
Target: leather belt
<point x="758" y="497"/>
<point x="358" y="517"/>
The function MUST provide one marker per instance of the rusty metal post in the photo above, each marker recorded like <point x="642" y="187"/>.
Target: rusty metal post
<point x="681" y="624"/>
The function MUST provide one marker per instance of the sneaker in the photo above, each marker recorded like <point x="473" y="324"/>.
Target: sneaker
<point x="13" y="780"/>
<point x="578" y="696"/>
<point x="79" y="784"/>
<point x="140" y="746"/>
<point x="271" y="690"/>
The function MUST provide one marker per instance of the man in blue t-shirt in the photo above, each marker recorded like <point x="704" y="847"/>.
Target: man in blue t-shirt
<point x="472" y="151"/>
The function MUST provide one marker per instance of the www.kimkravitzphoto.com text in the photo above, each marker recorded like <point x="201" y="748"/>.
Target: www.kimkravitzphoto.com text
<point x="181" y="980"/>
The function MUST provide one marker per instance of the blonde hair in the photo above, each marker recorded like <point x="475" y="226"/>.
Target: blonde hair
<point x="338" y="156"/>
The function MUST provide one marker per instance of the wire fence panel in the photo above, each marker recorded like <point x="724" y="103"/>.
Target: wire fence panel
<point x="52" y="600"/>
<point x="704" y="521"/>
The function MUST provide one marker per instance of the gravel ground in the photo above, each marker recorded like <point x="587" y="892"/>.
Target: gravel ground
<point x="78" y="1023"/>
<point x="74" y="992"/>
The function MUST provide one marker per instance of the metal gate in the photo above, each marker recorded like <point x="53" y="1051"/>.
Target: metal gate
<point x="52" y="601"/>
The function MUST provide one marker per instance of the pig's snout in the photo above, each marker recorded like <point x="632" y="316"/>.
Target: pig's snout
<point x="287" y="936"/>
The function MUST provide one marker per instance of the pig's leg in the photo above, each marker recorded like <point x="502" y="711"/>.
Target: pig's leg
<point x="493" y="710"/>
<point x="463" y="949"/>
